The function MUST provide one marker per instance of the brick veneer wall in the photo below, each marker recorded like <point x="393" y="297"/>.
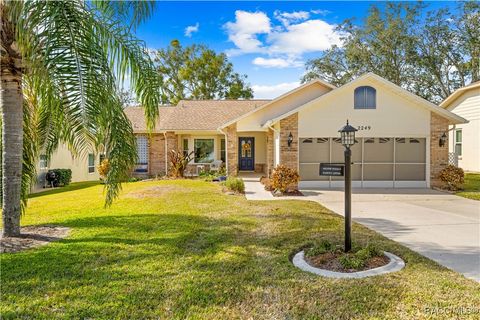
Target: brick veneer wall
<point x="289" y="155"/>
<point x="232" y="149"/>
<point x="172" y="144"/>
<point x="438" y="155"/>
<point x="156" y="159"/>
<point x="270" y="155"/>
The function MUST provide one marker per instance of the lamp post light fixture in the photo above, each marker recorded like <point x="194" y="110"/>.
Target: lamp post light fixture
<point x="348" y="140"/>
<point x="290" y="139"/>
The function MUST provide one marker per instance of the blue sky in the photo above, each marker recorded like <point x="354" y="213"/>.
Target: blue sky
<point x="267" y="41"/>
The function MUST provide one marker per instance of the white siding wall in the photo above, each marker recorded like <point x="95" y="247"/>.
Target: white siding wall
<point x="468" y="107"/>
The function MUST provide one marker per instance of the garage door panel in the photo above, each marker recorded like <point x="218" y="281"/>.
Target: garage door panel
<point x="377" y="172"/>
<point x="310" y="172"/>
<point x="338" y="151"/>
<point x="314" y="150"/>
<point x="410" y="172"/>
<point x="410" y="150"/>
<point x="378" y="150"/>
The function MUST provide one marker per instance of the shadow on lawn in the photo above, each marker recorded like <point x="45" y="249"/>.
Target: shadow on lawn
<point x="195" y="262"/>
<point x="71" y="187"/>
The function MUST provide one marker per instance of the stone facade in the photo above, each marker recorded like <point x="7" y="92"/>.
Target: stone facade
<point x="438" y="155"/>
<point x="289" y="155"/>
<point x="156" y="161"/>
<point x="270" y="152"/>
<point x="259" y="168"/>
<point x="232" y="149"/>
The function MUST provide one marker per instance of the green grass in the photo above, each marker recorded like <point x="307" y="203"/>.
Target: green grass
<point x="182" y="249"/>
<point x="471" y="187"/>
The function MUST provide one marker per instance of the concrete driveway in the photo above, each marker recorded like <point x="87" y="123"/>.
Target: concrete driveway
<point x="442" y="227"/>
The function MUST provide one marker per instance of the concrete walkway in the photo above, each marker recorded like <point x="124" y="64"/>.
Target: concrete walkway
<point x="254" y="190"/>
<point x="440" y="226"/>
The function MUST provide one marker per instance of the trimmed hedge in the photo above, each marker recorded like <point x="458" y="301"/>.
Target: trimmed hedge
<point x="62" y="177"/>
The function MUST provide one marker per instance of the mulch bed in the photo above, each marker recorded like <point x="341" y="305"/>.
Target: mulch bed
<point x="329" y="261"/>
<point x="31" y="237"/>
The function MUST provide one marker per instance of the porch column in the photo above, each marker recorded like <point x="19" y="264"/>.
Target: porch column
<point x="232" y="149"/>
<point x="289" y="154"/>
<point x="270" y="154"/>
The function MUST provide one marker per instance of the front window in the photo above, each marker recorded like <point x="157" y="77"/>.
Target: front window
<point x="43" y="161"/>
<point x="142" y="153"/>
<point x="458" y="142"/>
<point x="91" y="163"/>
<point x="222" y="150"/>
<point x="204" y="150"/>
<point x="365" y="98"/>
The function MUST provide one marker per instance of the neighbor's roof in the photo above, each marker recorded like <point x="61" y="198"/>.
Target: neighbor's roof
<point x="457" y="93"/>
<point x="203" y="115"/>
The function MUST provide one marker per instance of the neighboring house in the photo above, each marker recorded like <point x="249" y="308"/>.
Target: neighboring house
<point x="84" y="168"/>
<point x="465" y="138"/>
<point x="398" y="138"/>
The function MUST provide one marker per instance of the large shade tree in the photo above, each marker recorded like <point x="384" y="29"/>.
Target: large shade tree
<point x="197" y="72"/>
<point x="61" y="63"/>
<point x="430" y="52"/>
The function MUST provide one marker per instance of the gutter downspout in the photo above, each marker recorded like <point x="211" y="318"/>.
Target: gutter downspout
<point x="166" y="152"/>
<point x="226" y="149"/>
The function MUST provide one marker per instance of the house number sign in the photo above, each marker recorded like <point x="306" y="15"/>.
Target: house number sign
<point x="360" y="128"/>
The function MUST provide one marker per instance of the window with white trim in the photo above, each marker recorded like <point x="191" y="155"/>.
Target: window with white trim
<point x="223" y="153"/>
<point x="458" y="142"/>
<point x="365" y="97"/>
<point x="185" y="147"/>
<point x="204" y="152"/>
<point x="91" y="163"/>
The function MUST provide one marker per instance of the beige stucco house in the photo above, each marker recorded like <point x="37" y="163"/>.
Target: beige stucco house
<point x="84" y="167"/>
<point x="464" y="138"/>
<point x="398" y="139"/>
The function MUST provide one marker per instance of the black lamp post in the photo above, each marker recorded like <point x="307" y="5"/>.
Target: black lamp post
<point x="348" y="140"/>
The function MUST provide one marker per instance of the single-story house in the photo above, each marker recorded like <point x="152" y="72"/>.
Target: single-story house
<point x="464" y="138"/>
<point x="401" y="139"/>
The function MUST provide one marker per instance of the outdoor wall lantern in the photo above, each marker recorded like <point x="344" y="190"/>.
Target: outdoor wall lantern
<point x="348" y="140"/>
<point x="443" y="140"/>
<point x="290" y="139"/>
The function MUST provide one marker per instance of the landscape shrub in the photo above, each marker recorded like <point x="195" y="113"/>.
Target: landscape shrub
<point x="453" y="177"/>
<point x="351" y="261"/>
<point x="235" y="184"/>
<point x="103" y="168"/>
<point x="178" y="162"/>
<point x="284" y="178"/>
<point x="63" y="177"/>
<point x="323" y="247"/>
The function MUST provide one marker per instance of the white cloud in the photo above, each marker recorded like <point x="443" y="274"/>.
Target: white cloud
<point x="308" y="36"/>
<point x="277" y="62"/>
<point x="191" y="29"/>
<point x="284" y="42"/>
<point x="243" y="32"/>
<point x="289" y="17"/>
<point x="321" y="12"/>
<point x="273" y="91"/>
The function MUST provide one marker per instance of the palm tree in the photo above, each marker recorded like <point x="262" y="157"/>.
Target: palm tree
<point x="61" y="64"/>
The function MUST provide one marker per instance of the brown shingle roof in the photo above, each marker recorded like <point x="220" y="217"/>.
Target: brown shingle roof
<point x="194" y="114"/>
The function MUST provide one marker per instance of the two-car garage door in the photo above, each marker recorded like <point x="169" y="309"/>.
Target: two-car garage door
<point x="377" y="162"/>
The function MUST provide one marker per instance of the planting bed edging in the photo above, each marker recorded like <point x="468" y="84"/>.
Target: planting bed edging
<point x="395" y="264"/>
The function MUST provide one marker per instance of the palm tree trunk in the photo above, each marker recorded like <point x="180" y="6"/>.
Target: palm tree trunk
<point x="11" y="104"/>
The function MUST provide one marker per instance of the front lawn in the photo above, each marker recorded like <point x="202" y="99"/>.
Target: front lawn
<point x="471" y="187"/>
<point x="182" y="249"/>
